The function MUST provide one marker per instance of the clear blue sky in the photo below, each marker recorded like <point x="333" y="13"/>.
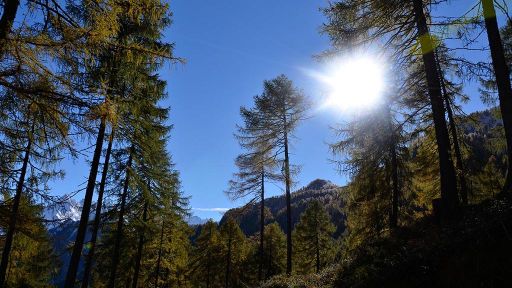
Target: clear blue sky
<point x="230" y="47"/>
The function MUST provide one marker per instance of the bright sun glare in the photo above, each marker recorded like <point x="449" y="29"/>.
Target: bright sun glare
<point x="353" y="83"/>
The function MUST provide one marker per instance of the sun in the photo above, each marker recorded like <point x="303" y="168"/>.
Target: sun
<point x="353" y="83"/>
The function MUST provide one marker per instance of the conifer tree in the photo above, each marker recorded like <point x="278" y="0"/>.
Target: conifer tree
<point x="33" y="262"/>
<point x="235" y="252"/>
<point x="275" y="250"/>
<point x="403" y="23"/>
<point x="313" y="238"/>
<point x="207" y="254"/>
<point x="282" y="107"/>
<point x="255" y="167"/>
<point x="152" y="17"/>
<point x="503" y="82"/>
<point x="34" y="133"/>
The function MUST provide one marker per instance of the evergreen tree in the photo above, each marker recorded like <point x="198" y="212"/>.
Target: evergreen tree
<point x="205" y="267"/>
<point x="401" y="22"/>
<point x="275" y="250"/>
<point x="313" y="238"/>
<point x="503" y="82"/>
<point x="235" y="250"/>
<point x="281" y="107"/>
<point x="255" y="166"/>
<point x="33" y="263"/>
<point x="34" y="134"/>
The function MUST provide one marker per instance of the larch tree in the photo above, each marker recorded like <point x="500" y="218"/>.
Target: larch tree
<point x="400" y="24"/>
<point x="34" y="133"/>
<point x="282" y="107"/>
<point x="206" y="256"/>
<point x="125" y="50"/>
<point x="503" y="82"/>
<point x="275" y="250"/>
<point x="256" y="167"/>
<point x="313" y="238"/>
<point x="235" y="252"/>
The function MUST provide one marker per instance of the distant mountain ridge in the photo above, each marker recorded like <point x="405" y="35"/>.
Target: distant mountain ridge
<point x="328" y="193"/>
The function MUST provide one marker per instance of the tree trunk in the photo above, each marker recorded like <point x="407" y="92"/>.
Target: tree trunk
<point x="159" y="255"/>
<point x="84" y="218"/>
<point x="262" y="225"/>
<point x="502" y="73"/>
<point x="317" y="252"/>
<point x="395" y="192"/>
<point x="14" y="212"/>
<point x="447" y="171"/>
<point x="97" y="215"/>
<point x="459" y="164"/>
<point x="228" y="260"/>
<point x="7" y="20"/>
<point x="269" y="268"/>
<point x="288" y="201"/>
<point x="393" y="219"/>
<point x="138" y="259"/>
<point x="208" y="269"/>
<point x="120" y="222"/>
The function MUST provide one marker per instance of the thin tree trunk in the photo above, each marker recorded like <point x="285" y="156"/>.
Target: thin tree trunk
<point x="395" y="192"/>
<point x="228" y="260"/>
<point x="393" y="219"/>
<point x="159" y="254"/>
<point x="262" y="225"/>
<point x="138" y="260"/>
<point x="288" y="201"/>
<point x="14" y="212"/>
<point x="208" y="268"/>
<point x="7" y="20"/>
<point x="502" y="73"/>
<point x="449" y="195"/>
<point x="120" y="222"/>
<point x="459" y="164"/>
<point x="317" y="252"/>
<point x="84" y="218"/>
<point x="97" y="215"/>
<point x="269" y="268"/>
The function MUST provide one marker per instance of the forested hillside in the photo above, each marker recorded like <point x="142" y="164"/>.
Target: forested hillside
<point x="329" y="194"/>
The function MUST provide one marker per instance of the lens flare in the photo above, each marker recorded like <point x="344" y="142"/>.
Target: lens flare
<point x="353" y="83"/>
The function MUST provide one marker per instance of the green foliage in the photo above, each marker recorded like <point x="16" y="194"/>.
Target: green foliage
<point x="313" y="239"/>
<point x="206" y="261"/>
<point x="274" y="246"/>
<point x="33" y="262"/>
<point x="235" y="252"/>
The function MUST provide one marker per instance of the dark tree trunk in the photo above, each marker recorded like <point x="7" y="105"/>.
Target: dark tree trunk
<point x="7" y="20"/>
<point x="502" y="73"/>
<point x="288" y="201"/>
<point x="157" y="272"/>
<point x="84" y="218"/>
<point x="228" y="260"/>
<point x="14" y="212"/>
<point x="208" y="269"/>
<point x="120" y="222"/>
<point x="317" y="252"/>
<point x="459" y="164"/>
<point x="140" y="247"/>
<point x="269" y="268"/>
<point x="97" y="215"/>
<point x="448" y="176"/>
<point x="393" y="218"/>
<point x="262" y="225"/>
<point x="393" y="221"/>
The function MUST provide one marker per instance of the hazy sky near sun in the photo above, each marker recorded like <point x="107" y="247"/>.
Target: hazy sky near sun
<point x="230" y="47"/>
